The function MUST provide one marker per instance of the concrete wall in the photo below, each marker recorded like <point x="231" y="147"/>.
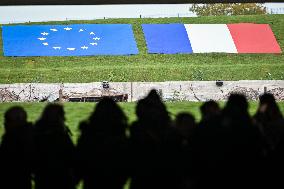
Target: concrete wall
<point x="171" y="90"/>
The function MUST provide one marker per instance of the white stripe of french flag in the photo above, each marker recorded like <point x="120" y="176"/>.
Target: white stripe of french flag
<point x="207" y="38"/>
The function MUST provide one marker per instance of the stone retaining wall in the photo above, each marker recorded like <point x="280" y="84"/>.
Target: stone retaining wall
<point x="170" y="90"/>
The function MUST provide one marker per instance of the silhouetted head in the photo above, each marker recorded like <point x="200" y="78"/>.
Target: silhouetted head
<point x="209" y="109"/>
<point x="153" y="96"/>
<point x="267" y="98"/>
<point x="154" y="99"/>
<point x="53" y="114"/>
<point x="185" y="124"/>
<point x="237" y="105"/>
<point x="152" y="110"/>
<point x="141" y="108"/>
<point x="268" y="105"/>
<point x="108" y="117"/>
<point x="151" y="102"/>
<point x="15" y="117"/>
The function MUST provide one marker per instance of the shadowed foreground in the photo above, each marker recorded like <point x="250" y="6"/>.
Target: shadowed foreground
<point x="227" y="148"/>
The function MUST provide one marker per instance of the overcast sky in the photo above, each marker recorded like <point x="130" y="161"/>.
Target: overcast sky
<point x="18" y="14"/>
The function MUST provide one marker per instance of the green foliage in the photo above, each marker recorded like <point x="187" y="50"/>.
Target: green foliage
<point x="151" y="67"/>
<point x="218" y="9"/>
<point x="197" y="74"/>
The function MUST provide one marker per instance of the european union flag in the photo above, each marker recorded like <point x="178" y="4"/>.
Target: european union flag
<point x="69" y="40"/>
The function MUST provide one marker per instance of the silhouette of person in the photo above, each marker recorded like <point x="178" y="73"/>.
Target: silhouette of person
<point x="228" y="148"/>
<point x="209" y="109"/>
<point x="270" y="120"/>
<point x="185" y="126"/>
<point x="154" y="146"/>
<point x="103" y="148"/>
<point x="16" y="150"/>
<point x="55" y="152"/>
<point x="207" y="147"/>
<point x="271" y="124"/>
<point x="243" y="144"/>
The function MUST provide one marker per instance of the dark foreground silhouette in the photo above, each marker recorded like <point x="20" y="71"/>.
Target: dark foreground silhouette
<point x="54" y="151"/>
<point x="227" y="148"/>
<point x="103" y="148"/>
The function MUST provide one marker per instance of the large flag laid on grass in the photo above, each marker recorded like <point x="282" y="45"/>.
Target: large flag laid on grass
<point x="210" y="38"/>
<point x="69" y="40"/>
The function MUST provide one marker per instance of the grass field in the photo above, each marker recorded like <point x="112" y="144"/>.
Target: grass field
<point x="76" y="112"/>
<point x="151" y="67"/>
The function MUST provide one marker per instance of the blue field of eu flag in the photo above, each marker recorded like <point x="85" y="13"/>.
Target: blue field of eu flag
<point x="69" y="40"/>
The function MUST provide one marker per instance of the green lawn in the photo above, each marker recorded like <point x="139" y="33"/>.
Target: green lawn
<point x="76" y="112"/>
<point x="151" y="67"/>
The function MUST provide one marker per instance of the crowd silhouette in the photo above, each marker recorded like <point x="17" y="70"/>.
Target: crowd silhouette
<point x="228" y="148"/>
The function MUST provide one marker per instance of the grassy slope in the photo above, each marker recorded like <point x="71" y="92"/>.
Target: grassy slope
<point x="76" y="112"/>
<point x="147" y="67"/>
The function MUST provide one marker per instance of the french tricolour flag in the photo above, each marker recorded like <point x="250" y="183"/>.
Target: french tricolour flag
<point x="210" y="38"/>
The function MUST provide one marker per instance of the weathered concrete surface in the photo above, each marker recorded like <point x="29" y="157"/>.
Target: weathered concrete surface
<point x="171" y="90"/>
<point x="28" y="92"/>
<point x="205" y="90"/>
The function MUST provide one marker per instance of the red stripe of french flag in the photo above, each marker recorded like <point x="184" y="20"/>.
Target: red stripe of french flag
<point x="254" y="38"/>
